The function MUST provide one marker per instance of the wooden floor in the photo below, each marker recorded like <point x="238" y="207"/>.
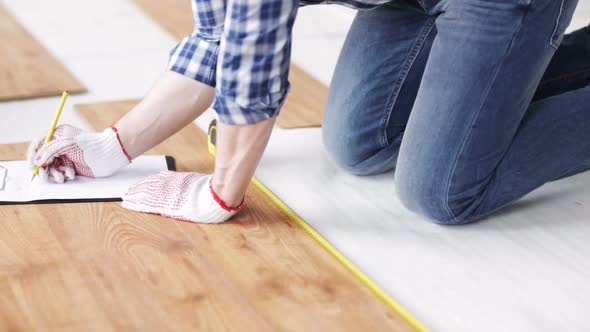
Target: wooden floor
<point x="99" y="267"/>
<point x="27" y="69"/>
<point x="304" y="106"/>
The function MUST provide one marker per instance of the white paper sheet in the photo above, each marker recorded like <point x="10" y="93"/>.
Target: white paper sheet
<point x="19" y="188"/>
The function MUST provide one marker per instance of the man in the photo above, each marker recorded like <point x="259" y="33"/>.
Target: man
<point x="489" y="104"/>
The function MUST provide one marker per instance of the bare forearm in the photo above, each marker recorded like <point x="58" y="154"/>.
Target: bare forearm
<point x="172" y="103"/>
<point x="238" y="151"/>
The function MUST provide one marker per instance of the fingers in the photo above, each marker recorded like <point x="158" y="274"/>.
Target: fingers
<point x="164" y="193"/>
<point x="57" y="173"/>
<point x="52" y="150"/>
<point x="146" y="189"/>
<point x="32" y="151"/>
<point x="56" y="176"/>
<point x="65" y="131"/>
<point x="165" y="190"/>
<point x="43" y="174"/>
<point x="139" y="195"/>
<point x="43" y="154"/>
<point x="68" y="172"/>
<point x="67" y="162"/>
<point x="47" y="155"/>
<point x="178" y="195"/>
<point x="138" y="207"/>
<point x="61" y="131"/>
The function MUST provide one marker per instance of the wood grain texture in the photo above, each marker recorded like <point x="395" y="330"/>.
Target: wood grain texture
<point x="99" y="267"/>
<point x="304" y="106"/>
<point x="15" y="151"/>
<point x="173" y="16"/>
<point x="271" y="270"/>
<point x="305" y="103"/>
<point x="27" y="69"/>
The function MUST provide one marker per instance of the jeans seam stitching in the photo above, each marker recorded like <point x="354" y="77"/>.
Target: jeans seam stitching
<point x="400" y="82"/>
<point x="551" y="41"/>
<point x="450" y="176"/>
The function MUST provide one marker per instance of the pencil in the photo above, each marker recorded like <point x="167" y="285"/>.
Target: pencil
<point x="49" y="137"/>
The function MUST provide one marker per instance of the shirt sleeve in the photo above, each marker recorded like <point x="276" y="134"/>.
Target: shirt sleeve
<point x="253" y="64"/>
<point x="196" y="55"/>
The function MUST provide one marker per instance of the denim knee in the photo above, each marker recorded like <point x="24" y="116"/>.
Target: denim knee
<point x="424" y="193"/>
<point x="343" y="150"/>
<point x="430" y="200"/>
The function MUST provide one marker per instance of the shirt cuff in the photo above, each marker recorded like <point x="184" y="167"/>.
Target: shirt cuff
<point x="195" y="58"/>
<point x="231" y="112"/>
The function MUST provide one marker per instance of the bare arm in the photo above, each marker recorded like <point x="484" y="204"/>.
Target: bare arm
<point x="174" y="102"/>
<point x="238" y="151"/>
<point x="244" y="55"/>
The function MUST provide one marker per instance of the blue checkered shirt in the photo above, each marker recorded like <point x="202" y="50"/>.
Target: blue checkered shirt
<point x="243" y="49"/>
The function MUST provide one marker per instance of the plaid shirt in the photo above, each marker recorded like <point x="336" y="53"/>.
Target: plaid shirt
<point x="243" y="49"/>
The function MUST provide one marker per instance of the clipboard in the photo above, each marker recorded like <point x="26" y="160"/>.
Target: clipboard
<point x="82" y="190"/>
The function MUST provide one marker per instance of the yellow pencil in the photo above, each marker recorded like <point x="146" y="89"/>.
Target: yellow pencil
<point x="49" y="137"/>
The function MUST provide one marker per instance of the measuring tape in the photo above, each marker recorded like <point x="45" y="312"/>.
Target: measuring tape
<point x="381" y="294"/>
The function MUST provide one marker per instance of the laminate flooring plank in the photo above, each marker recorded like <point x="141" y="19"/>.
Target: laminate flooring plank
<point x="305" y="103"/>
<point x="101" y="266"/>
<point x="39" y="285"/>
<point x="27" y="69"/>
<point x="304" y="106"/>
<point x="262" y="260"/>
<point x="147" y="276"/>
<point x="16" y="151"/>
<point x="174" y="16"/>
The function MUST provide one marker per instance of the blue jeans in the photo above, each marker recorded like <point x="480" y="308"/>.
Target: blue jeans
<point x="490" y="97"/>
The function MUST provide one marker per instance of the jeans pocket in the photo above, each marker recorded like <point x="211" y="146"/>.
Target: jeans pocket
<point x="564" y="17"/>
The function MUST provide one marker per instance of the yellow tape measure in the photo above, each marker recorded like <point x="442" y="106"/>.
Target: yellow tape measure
<point x="363" y="278"/>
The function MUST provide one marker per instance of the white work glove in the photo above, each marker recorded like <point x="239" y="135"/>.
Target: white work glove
<point x="73" y="151"/>
<point x="179" y="195"/>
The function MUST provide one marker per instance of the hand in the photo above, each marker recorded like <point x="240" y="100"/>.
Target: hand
<point x="73" y="151"/>
<point x="183" y="196"/>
